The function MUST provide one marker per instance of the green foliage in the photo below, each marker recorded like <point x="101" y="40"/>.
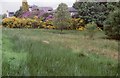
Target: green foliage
<point x="112" y="5"/>
<point x="25" y="6"/>
<point x="4" y="16"/>
<point x="1" y="19"/>
<point x="18" y="13"/>
<point x="62" y="18"/>
<point x="92" y="11"/>
<point x="91" y="29"/>
<point x="112" y="27"/>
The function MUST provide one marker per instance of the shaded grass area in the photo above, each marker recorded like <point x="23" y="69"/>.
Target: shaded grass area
<point x="25" y="52"/>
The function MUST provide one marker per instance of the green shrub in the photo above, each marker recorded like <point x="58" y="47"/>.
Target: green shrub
<point x="91" y="28"/>
<point x="112" y="26"/>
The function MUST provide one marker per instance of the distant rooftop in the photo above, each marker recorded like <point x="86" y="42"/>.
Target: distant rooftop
<point x="71" y="9"/>
<point x="41" y="8"/>
<point x="46" y="8"/>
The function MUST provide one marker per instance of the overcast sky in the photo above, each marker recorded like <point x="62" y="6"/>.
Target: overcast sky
<point x="13" y="5"/>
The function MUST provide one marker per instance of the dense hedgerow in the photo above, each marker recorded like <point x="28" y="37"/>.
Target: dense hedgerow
<point x="112" y="27"/>
<point x="13" y="22"/>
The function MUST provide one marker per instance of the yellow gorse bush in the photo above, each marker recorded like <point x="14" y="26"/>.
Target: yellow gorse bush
<point x="81" y="28"/>
<point x="48" y="24"/>
<point x="13" y="22"/>
<point x="78" y="23"/>
<point x="10" y="22"/>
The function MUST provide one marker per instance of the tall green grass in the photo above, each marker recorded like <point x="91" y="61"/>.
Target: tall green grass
<point x="0" y="52"/>
<point x="25" y="53"/>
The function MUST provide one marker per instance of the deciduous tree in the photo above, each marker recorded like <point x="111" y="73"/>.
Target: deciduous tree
<point x="25" y="6"/>
<point x="62" y="17"/>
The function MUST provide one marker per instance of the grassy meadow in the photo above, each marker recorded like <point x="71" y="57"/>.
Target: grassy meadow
<point x="0" y="52"/>
<point x="42" y="52"/>
<point x="0" y="46"/>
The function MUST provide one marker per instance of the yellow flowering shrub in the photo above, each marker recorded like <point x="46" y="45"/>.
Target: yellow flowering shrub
<point x="35" y="17"/>
<point x="48" y="24"/>
<point x="81" y="28"/>
<point x="13" y="22"/>
<point x="10" y="22"/>
<point x="77" y="23"/>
